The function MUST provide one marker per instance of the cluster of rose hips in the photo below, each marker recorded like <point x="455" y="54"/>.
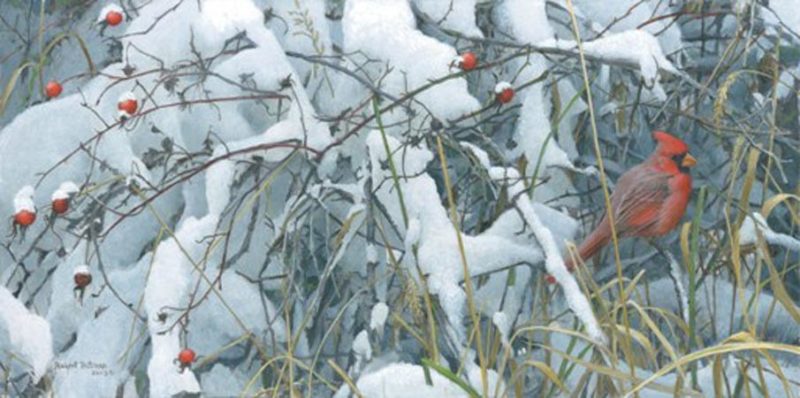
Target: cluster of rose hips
<point x="503" y="91"/>
<point x="113" y="17"/>
<point x="127" y="105"/>
<point x="25" y="215"/>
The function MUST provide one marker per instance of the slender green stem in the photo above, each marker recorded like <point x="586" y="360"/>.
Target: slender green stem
<point x="553" y="132"/>
<point x="692" y="271"/>
<point x="390" y="160"/>
<point x="628" y="346"/>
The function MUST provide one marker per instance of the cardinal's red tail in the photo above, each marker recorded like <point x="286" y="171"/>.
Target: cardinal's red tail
<point x="591" y="245"/>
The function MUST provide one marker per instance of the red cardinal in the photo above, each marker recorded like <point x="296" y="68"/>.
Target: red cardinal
<point x="649" y="199"/>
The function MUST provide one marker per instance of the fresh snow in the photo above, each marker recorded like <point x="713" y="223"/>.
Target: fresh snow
<point x="395" y="380"/>
<point x="457" y="15"/>
<point x="81" y="270"/>
<point x="65" y="190"/>
<point x="502" y="86"/>
<point x="402" y="47"/>
<point x="27" y="346"/>
<point x="23" y="200"/>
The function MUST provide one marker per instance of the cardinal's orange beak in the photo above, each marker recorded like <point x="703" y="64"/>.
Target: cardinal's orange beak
<point x="688" y="161"/>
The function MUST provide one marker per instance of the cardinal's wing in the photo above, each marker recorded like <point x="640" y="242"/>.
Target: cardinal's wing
<point x="638" y="200"/>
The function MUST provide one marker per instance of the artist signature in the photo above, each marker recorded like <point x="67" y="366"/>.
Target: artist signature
<point x="96" y="368"/>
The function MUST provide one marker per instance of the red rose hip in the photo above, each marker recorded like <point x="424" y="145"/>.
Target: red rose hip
<point x="24" y="218"/>
<point x="24" y="208"/>
<point x="53" y="89"/>
<point x="503" y="92"/>
<point x="60" y="206"/>
<point x="129" y="106"/>
<point x="468" y="61"/>
<point x="114" y="18"/>
<point x="82" y="277"/>
<point x="186" y="357"/>
<point x="60" y="200"/>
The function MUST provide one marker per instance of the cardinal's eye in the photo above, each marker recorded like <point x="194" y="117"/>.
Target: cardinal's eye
<point x="678" y="158"/>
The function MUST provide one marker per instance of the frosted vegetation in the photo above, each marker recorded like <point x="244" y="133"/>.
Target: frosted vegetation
<point x="325" y="198"/>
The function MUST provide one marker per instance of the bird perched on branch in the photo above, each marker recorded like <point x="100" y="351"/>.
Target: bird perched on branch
<point x="649" y="200"/>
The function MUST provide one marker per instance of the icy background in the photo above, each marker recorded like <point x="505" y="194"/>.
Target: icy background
<point x="282" y="202"/>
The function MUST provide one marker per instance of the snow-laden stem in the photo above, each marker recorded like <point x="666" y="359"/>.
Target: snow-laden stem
<point x="550" y="48"/>
<point x="554" y="264"/>
<point x="473" y="312"/>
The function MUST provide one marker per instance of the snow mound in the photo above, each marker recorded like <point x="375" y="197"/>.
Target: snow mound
<point x="415" y="59"/>
<point x="393" y="381"/>
<point x="26" y="344"/>
<point x="65" y="190"/>
<point x="458" y="15"/>
<point x="527" y="23"/>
